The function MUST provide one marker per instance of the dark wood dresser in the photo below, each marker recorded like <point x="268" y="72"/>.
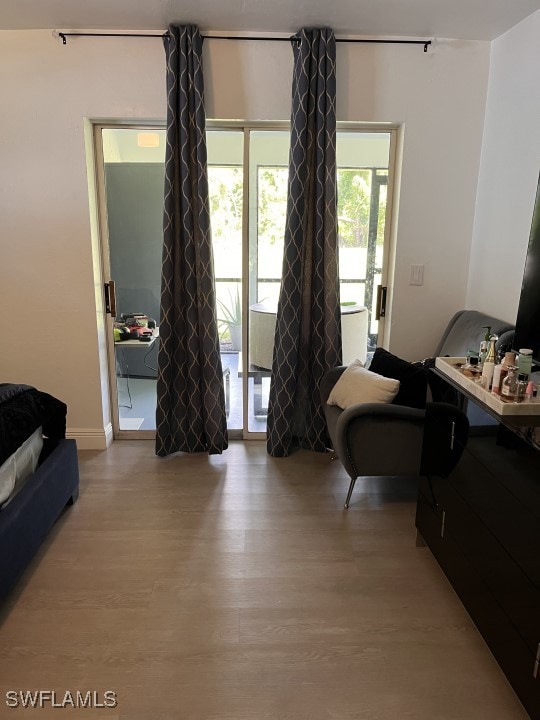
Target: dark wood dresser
<point x="482" y="524"/>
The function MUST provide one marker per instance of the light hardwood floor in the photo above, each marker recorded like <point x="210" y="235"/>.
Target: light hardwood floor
<point x="237" y="588"/>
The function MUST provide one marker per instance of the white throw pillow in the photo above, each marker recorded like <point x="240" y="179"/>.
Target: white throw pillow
<point x="358" y="385"/>
<point x="8" y="475"/>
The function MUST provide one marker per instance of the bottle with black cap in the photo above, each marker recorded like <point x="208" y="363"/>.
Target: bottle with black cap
<point x="489" y="364"/>
<point x="484" y="345"/>
<point x="521" y="386"/>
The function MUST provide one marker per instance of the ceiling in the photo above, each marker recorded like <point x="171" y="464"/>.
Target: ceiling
<point x="464" y="19"/>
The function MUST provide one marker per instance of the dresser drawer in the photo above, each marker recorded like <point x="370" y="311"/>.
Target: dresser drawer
<point x="485" y="482"/>
<point x="513" y="590"/>
<point x="513" y="654"/>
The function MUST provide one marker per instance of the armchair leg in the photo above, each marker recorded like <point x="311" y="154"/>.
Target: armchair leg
<point x="351" y="488"/>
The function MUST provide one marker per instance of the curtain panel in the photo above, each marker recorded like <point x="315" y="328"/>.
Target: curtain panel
<point x="190" y="415"/>
<point x="308" y="324"/>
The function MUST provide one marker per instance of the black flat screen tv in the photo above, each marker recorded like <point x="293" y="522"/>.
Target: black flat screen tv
<point x="527" y="333"/>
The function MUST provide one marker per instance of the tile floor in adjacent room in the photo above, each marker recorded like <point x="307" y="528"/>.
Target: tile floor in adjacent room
<point x="137" y="399"/>
<point x="236" y="587"/>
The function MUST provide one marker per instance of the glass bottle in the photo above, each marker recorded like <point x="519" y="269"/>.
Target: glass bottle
<point x="470" y="369"/>
<point x="501" y="372"/>
<point x="509" y="384"/>
<point x="525" y="361"/>
<point x="497" y="379"/>
<point x="521" y="386"/>
<point x="484" y="345"/>
<point x="489" y="364"/>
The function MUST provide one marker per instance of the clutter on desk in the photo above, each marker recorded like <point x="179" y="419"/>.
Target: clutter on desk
<point x="134" y="326"/>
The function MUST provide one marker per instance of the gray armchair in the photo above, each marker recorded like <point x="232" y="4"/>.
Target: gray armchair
<point x="378" y="439"/>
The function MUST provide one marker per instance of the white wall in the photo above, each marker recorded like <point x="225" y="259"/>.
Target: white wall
<point x="440" y="98"/>
<point x="47" y="267"/>
<point x="509" y="169"/>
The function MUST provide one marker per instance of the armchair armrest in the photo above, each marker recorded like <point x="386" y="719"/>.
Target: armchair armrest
<point x="380" y="439"/>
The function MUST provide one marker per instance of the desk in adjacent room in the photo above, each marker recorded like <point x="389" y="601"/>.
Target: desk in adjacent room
<point x="138" y="351"/>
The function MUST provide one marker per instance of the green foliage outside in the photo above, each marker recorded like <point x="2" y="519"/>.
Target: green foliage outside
<point x="354" y="199"/>
<point x="230" y="311"/>
<point x="353" y="192"/>
<point x="272" y="192"/>
<point x="226" y="206"/>
<point x="225" y="186"/>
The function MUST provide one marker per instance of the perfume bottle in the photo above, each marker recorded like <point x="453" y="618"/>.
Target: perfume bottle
<point x="500" y="372"/>
<point x="524" y="361"/>
<point x="484" y="345"/>
<point x="470" y="369"/>
<point x="490" y="361"/>
<point x="521" y="386"/>
<point x="509" y="384"/>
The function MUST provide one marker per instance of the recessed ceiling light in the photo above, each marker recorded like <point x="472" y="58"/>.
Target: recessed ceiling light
<point x="148" y="140"/>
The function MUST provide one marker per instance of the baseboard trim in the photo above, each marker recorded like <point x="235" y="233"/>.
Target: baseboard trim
<point x="91" y="438"/>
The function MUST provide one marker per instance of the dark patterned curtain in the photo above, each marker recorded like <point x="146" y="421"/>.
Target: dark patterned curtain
<point x="308" y="325"/>
<point x="190" y="412"/>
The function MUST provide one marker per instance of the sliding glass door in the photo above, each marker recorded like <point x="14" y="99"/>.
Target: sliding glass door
<point x="247" y="172"/>
<point x="248" y="175"/>
<point x="226" y="188"/>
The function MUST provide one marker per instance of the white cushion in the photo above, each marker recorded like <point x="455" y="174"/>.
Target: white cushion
<point x="20" y="466"/>
<point x="8" y="475"/>
<point x="27" y="458"/>
<point x="358" y="385"/>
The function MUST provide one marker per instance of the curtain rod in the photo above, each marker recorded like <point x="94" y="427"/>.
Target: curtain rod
<point x="65" y="35"/>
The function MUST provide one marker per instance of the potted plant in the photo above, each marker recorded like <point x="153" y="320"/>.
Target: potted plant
<point x="231" y="319"/>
